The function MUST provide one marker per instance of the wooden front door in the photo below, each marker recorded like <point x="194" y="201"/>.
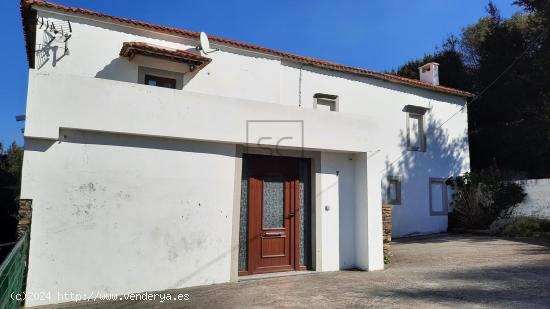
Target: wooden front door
<point x="273" y="214"/>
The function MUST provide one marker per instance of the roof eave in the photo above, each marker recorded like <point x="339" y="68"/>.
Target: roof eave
<point x="380" y="76"/>
<point x="28" y="12"/>
<point x="130" y="49"/>
<point x="28" y="19"/>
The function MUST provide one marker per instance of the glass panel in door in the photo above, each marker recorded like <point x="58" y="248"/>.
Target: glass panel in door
<point x="273" y="202"/>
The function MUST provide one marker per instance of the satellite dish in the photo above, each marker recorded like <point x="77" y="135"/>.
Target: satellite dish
<point x="205" y="44"/>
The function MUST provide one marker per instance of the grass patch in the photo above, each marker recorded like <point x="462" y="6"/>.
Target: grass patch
<point x="528" y="227"/>
<point x="387" y="258"/>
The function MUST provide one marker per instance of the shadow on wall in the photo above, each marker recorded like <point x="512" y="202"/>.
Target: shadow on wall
<point x="442" y="152"/>
<point x="444" y="157"/>
<point x="49" y="50"/>
<point x="145" y="142"/>
<point x="124" y="70"/>
<point x="119" y="69"/>
<point x="37" y="144"/>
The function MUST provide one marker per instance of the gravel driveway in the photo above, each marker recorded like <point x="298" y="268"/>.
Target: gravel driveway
<point x="442" y="271"/>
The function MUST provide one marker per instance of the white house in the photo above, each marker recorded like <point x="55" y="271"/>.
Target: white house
<point x="153" y="165"/>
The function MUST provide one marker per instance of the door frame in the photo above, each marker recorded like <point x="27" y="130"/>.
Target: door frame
<point x="295" y="227"/>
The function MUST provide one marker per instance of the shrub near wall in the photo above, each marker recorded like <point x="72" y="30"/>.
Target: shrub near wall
<point x="482" y="197"/>
<point x="527" y="227"/>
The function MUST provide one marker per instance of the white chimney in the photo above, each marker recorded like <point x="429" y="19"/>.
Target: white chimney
<point x="430" y="73"/>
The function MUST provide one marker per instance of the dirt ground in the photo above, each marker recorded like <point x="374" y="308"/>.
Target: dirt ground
<point x="442" y="271"/>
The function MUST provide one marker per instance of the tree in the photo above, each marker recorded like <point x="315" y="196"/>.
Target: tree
<point x="10" y="184"/>
<point x="506" y="63"/>
<point x="14" y="163"/>
<point x="450" y="58"/>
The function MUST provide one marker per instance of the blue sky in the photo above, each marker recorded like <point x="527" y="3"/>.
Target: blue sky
<point x="377" y="34"/>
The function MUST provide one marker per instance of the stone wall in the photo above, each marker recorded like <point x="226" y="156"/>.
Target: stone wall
<point x="386" y="225"/>
<point x="537" y="201"/>
<point x="24" y="217"/>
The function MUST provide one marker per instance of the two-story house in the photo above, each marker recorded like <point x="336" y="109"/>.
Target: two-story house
<point x="155" y="159"/>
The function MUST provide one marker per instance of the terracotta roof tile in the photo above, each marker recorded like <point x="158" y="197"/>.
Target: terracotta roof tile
<point x="29" y="17"/>
<point x="130" y="49"/>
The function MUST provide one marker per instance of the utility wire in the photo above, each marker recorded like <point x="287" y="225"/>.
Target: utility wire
<point x="478" y="96"/>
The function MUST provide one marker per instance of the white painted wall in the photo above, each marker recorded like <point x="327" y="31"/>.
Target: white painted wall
<point x="327" y="195"/>
<point x="229" y="74"/>
<point x="382" y="104"/>
<point x="537" y="201"/>
<point x="352" y="223"/>
<point x="336" y="201"/>
<point x="147" y="167"/>
<point x="155" y="111"/>
<point x="346" y="195"/>
<point x="119" y="214"/>
<point x="372" y="215"/>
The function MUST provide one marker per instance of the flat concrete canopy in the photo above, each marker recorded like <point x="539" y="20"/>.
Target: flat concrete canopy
<point x="442" y="271"/>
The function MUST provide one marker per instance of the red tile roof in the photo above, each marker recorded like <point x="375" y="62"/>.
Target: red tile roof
<point x="29" y="24"/>
<point x="130" y="49"/>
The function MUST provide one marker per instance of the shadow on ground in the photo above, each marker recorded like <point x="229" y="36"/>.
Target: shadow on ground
<point x="452" y="271"/>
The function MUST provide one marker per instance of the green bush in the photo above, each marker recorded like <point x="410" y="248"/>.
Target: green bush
<point x="481" y="197"/>
<point x="387" y="258"/>
<point x="528" y="227"/>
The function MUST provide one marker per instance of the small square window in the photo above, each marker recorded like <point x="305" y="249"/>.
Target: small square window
<point x="326" y="105"/>
<point x="438" y="197"/>
<point x="326" y="102"/>
<point x="393" y="191"/>
<point x="158" y="81"/>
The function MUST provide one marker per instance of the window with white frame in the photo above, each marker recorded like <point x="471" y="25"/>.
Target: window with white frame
<point x="416" y="137"/>
<point x="393" y="190"/>
<point x="438" y="197"/>
<point x="325" y="102"/>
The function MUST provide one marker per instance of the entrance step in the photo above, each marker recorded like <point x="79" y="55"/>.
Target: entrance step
<point x="276" y="275"/>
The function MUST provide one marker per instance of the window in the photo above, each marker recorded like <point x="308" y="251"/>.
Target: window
<point x="416" y="138"/>
<point x="160" y="78"/>
<point x="158" y="81"/>
<point x="438" y="197"/>
<point x="393" y="191"/>
<point x="325" y="102"/>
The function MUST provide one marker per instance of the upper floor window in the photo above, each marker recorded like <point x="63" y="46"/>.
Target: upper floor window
<point x="416" y="137"/>
<point x="160" y="78"/>
<point x="325" y="102"/>
<point x="158" y="81"/>
<point x="164" y="67"/>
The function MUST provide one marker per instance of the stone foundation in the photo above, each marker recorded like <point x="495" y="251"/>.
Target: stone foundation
<point x="24" y="217"/>
<point x="386" y="225"/>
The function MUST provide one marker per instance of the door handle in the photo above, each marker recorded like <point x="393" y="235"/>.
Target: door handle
<point x="264" y="234"/>
<point x="291" y="215"/>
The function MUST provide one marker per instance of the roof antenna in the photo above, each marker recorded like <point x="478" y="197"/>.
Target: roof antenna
<point x="57" y="31"/>
<point x="205" y="44"/>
